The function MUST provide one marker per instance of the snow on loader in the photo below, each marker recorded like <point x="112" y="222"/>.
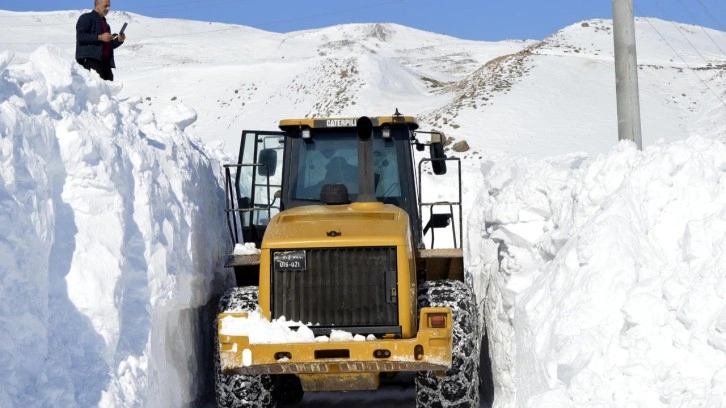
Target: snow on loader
<point x="336" y="209"/>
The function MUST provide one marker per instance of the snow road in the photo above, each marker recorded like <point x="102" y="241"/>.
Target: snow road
<point x="398" y="392"/>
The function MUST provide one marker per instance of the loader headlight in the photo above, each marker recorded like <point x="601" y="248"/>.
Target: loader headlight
<point x="437" y="320"/>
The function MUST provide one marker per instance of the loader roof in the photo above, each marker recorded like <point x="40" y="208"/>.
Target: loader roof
<point x="317" y="123"/>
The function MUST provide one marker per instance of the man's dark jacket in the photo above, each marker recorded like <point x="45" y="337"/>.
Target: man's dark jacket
<point x="88" y="28"/>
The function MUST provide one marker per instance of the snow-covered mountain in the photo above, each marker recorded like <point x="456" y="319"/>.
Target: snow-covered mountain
<point x="592" y="259"/>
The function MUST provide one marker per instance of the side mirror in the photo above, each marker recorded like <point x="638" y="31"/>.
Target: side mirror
<point x="437" y="221"/>
<point x="267" y="161"/>
<point x="438" y="158"/>
<point x="436" y="151"/>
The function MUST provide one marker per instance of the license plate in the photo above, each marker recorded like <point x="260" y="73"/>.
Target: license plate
<point x="284" y="261"/>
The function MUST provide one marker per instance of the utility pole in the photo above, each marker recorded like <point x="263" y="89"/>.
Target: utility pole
<point x="626" y="72"/>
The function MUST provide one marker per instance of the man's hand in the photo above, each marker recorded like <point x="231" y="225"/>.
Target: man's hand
<point x="121" y="38"/>
<point x="105" y="37"/>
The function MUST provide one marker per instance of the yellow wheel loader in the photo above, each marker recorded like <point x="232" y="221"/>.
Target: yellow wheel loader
<point x="336" y="214"/>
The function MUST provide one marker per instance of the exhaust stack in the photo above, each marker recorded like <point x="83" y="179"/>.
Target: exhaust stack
<point x="366" y="176"/>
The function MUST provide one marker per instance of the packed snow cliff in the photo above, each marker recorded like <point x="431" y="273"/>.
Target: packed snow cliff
<point x="110" y="237"/>
<point x="605" y="277"/>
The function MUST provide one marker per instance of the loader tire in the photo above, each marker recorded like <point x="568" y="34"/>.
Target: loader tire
<point x="241" y="390"/>
<point x="289" y="389"/>
<point x="460" y="386"/>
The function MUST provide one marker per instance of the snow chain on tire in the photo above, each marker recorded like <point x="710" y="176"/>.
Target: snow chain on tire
<point x="460" y="386"/>
<point x="240" y="390"/>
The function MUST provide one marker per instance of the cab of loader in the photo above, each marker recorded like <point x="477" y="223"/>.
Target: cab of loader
<point x="320" y="161"/>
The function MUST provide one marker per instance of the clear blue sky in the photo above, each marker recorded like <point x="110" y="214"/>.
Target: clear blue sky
<point x="470" y="19"/>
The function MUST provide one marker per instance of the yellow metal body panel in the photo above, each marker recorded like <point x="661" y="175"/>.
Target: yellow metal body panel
<point x="314" y="123"/>
<point x="430" y="350"/>
<point x="340" y="381"/>
<point x="358" y="224"/>
<point x="355" y="225"/>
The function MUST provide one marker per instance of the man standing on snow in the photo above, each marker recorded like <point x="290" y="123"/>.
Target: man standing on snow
<point x="94" y="42"/>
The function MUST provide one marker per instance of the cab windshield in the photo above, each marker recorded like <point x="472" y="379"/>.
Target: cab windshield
<point x="332" y="157"/>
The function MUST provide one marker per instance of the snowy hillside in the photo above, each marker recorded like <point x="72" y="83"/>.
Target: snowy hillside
<point x="247" y="78"/>
<point x="599" y="268"/>
<point x="250" y="78"/>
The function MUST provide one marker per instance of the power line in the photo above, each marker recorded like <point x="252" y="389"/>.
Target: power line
<point x="683" y="59"/>
<point x="718" y="23"/>
<point x="719" y="6"/>
<point x="181" y="6"/>
<point x="684" y="36"/>
<point x="700" y="25"/>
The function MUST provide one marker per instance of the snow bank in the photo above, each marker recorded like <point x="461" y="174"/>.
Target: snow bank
<point x="604" y="277"/>
<point x="110" y="237"/>
<point x="263" y="331"/>
<point x="277" y="331"/>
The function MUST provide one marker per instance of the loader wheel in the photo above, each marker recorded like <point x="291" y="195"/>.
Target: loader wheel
<point x="289" y="389"/>
<point x="460" y="386"/>
<point x="241" y="390"/>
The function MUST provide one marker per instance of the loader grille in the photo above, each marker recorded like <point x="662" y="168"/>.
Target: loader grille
<point x="340" y="288"/>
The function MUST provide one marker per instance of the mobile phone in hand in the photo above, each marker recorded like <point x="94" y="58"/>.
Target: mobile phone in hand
<point x="123" y="28"/>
